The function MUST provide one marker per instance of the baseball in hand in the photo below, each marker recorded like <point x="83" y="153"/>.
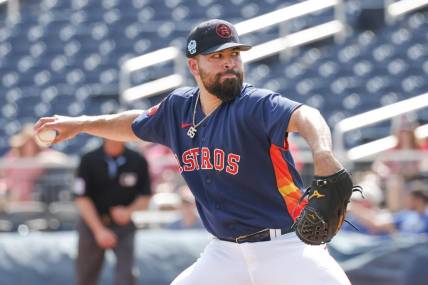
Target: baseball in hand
<point x="45" y="138"/>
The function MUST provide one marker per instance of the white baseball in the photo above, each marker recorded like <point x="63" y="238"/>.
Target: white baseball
<point x="45" y="138"/>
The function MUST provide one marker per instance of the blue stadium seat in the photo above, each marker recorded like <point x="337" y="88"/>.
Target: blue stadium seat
<point x="417" y="52"/>
<point x="67" y="52"/>
<point x="414" y="84"/>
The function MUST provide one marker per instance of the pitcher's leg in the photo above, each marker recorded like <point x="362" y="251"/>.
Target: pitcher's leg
<point x="288" y="261"/>
<point x="220" y="263"/>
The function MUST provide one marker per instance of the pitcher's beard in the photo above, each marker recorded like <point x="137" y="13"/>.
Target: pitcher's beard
<point x="228" y="89"/>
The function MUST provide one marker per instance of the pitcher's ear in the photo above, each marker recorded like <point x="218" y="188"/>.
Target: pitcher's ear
<point x="193" y="66"/>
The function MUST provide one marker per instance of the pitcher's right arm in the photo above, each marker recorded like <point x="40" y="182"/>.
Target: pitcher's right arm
<point x="115" y="126"/>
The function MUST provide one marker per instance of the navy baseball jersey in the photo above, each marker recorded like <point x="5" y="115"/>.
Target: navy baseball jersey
<point x="238" y="164"/>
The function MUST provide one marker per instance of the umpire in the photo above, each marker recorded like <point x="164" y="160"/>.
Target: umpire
<point x="112" y="182"/>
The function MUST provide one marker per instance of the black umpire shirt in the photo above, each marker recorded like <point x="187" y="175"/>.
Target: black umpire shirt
<point x="112" y="181"/>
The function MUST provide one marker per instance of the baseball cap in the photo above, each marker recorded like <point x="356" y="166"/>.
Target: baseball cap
<point x="212" y="36"/>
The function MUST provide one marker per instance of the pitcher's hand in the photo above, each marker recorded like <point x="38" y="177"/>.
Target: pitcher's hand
<point x="66" y="127"/>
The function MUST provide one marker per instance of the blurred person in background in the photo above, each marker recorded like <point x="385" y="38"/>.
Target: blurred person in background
<point x="112" y="182"/>
<point x="412" y="220"/>
<point x="294" y="149"/>
<point x="424" y="144"/>
<point x="19" y="179"/>
<point x="24" y="164"/>
<point x="424" y="163"/>
<point x="368" y="204"/>
<point x="189" y="218"/>
<point x="163" y="165"/>
<point x="401" y="165"/>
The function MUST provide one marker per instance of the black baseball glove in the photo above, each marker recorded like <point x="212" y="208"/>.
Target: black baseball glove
<point x="324" y="213"/>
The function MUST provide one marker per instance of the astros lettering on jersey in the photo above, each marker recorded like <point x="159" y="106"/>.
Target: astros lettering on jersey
<point x="238" y="188"/>
<point x="201" y="158"/>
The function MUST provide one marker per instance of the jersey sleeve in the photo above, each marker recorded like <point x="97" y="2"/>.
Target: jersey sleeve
<point x="152" y="124"/>
<point x="275" y="113"/>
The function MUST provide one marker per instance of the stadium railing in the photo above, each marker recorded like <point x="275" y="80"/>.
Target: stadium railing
<point x="370" y="118"/>
<point x="284" y="42"/>
<point x="13" y="13"/>
<point x="395" y="9"/>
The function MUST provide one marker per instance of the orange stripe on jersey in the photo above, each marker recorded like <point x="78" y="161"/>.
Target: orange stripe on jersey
<point x="286" y="187"/>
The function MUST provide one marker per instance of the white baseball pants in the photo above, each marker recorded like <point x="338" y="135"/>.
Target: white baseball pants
<point x="284" y="260"/>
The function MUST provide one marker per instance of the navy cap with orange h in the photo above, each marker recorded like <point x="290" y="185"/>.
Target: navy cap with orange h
<point x="213" y="36"/>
